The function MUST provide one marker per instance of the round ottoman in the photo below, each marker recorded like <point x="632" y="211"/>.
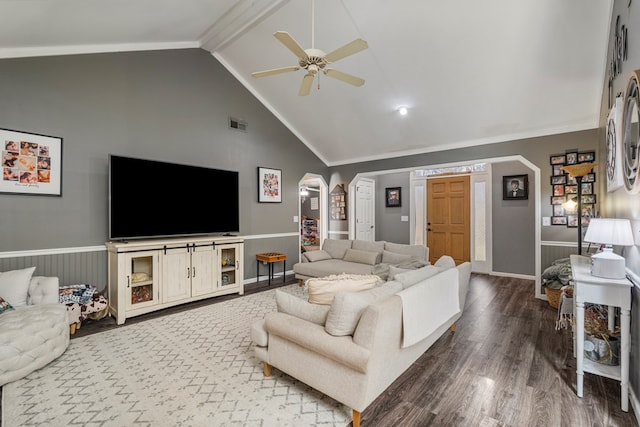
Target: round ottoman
<point x="31" y="337"/>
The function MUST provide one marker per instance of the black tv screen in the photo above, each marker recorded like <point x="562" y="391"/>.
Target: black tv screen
<point x="149" y="198"/>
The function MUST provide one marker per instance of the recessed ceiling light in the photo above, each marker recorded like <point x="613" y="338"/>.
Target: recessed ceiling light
<point x="403" y="111"/>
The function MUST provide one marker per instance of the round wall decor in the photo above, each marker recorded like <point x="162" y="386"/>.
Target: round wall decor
<point x="631" y="133"/>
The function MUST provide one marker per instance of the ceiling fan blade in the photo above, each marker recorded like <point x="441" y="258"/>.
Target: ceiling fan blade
<point x="286" y="39"/>
<point x="347" y="78"/>
<point x="348" y="49"/>
<point x="305" y="88"/>
<point x="275" y="71"/>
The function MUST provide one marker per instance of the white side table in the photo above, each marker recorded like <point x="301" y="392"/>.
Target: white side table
<point x="611" y="292"/>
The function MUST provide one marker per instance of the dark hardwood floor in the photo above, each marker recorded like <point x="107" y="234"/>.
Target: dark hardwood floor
<point x="505" y="365"/>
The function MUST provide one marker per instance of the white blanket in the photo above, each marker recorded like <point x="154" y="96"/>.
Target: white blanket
<point x="426" y="305"/>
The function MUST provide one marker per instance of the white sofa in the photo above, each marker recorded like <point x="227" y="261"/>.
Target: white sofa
<point x="357" y="257"/>
<point x="355" y="369"/>
<point x="35" y="333"/>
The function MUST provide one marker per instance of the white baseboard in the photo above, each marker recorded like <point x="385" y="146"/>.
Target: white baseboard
<point x="635" y="403"/>
<point x="514" y="275"/>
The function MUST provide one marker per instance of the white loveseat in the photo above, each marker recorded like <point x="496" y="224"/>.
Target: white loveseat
<point x="36" y="331"/>
<point x="389" y="334"/>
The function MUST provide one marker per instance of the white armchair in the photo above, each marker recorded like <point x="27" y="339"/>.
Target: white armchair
<point x="33" y="335"/>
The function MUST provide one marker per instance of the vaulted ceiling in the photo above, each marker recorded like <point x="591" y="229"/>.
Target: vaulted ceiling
<point x="469" y="72"/>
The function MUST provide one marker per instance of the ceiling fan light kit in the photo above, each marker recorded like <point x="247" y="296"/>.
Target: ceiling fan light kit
<point x="313" y="60"/>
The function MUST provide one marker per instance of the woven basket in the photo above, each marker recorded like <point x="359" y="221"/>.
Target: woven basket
<point x="553" y="296"/>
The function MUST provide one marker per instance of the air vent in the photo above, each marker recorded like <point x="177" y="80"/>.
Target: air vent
<point x="237" y="124"/>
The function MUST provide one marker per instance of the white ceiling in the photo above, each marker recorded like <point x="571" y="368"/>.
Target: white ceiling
<point x="471" y="72"/>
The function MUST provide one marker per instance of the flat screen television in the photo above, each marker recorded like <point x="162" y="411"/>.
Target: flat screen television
<point x="149" y="198"/>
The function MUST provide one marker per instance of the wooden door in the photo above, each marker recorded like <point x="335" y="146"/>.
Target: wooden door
<point x="176" y="274"/>
<point x="448" y="218"/>
<point x="203" y="270"/>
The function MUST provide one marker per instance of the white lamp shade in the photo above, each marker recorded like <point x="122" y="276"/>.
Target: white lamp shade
<point x="609" y="231"/>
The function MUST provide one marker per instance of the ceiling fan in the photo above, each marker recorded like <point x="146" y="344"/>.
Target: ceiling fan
<point x="314" y="60"/>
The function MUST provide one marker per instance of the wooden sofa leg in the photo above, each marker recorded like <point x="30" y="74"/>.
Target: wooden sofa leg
<point x="266" y="368"/>
<point x="356" y="418"/>
<point x="453" y="328"/>
<point x="300" y="282"/>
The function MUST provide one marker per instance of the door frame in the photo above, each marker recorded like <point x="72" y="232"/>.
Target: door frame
<point x="323" y="196"/>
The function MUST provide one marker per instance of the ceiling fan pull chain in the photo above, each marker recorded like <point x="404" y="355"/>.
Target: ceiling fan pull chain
<point x="313" y="25"/>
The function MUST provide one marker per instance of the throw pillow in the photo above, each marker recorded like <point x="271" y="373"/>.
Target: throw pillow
<point x="416" y="251"/>
<point x="410" y="278"/>
<point x="336" y="248"/>
<point x="14" y="286"/>
<point x="300" y="308"/>
<point x="313" y="256"/>
<point x="394" y="258"/>
<point x="394" y="271"/>
<point x="347" y="308"/>
<point x="4" y="306"/>
<point x="365" y="245"/>
<point x="322" y="289"/>
<point x="445" y="262"/>
<point x="362" y="257"/>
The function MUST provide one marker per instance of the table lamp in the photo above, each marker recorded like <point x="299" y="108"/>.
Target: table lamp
<point x="609" y="232"/>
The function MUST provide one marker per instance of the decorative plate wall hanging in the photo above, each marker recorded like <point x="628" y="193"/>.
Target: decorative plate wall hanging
<point x="631" y="133"/>
<point x="614" y="147"/>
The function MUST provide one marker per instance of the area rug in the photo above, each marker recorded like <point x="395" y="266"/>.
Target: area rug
<point x="192" y="368"/>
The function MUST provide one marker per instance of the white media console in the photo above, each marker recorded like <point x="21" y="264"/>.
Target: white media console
<point x="149" y="275"/>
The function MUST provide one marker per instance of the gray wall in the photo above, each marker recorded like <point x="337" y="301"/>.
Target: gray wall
<point x="162" y="105"/>
<point x="512" y="220"/>
<point x="621" y="204"/>
<point x="536" y="150"/>
<point x="389" y="227"/>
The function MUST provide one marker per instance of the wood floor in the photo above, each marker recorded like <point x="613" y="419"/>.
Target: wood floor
<point x="504" y="366"/>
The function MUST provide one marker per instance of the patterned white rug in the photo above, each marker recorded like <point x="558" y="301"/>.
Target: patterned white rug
<point x="193" y="368"/>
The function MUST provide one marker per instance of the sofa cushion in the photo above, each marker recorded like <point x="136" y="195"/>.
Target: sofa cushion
<point x="4" y="306"/>
<point x="410" y="278"/>
<point x="416" y="251"/>
<point x="445" y="262"/>
<point x="347" y="307"/>
<point x="362" y="257"/>
<point x="394" y="258"/>
<point x="322" y="289"/>
<point x="295" y="306"/>
<point x="365" y="245"/>
<point x="313" y="256"/>
<point x="14" y="286"/>
<point x="336" y="248"/>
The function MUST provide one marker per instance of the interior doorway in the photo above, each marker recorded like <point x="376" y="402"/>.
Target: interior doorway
<point x="448" y="218"/>
<point x="312" y="218"/>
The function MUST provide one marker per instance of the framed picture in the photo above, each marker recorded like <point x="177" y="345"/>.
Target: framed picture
<point x="586" y="188"/>
<point x="588" y="199"/>
<point x="572" y="220"/>
<point x="558" y="200"/>
<point x="558" y="179"/>
<point x="571" y="189"/>
<point x="392" y="196"/>
<point x="558" y="220"/>
<point x="516" y="187"/>
<point x="269" y="185"/>
<point x="31" y="163"/>
<point x="572" y="158"/>
<point x="590" y="177"/>
<point x="558" y="190"/>
<point x="558" y="159"/>
<point x="558" y="210"/>
<point x="557" y="170"/>
<point x="586" y="157"/>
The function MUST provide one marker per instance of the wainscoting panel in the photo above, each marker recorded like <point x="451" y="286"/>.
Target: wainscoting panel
<point x="71" y="268"/>
<point x="552" y="251"/>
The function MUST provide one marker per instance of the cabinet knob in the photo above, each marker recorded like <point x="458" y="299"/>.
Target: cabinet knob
<point x="194" y="272"/>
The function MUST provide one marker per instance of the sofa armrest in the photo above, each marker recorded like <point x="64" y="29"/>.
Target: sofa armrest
<point x="314" y="338"/>
<point x="43" y="290"/>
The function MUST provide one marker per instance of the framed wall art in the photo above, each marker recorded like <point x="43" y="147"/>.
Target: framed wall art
<point x="516" y="187"/>
<point x="393" y="197"/>
<point x="269" y="185"/>
<point x="31" y="163"/>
